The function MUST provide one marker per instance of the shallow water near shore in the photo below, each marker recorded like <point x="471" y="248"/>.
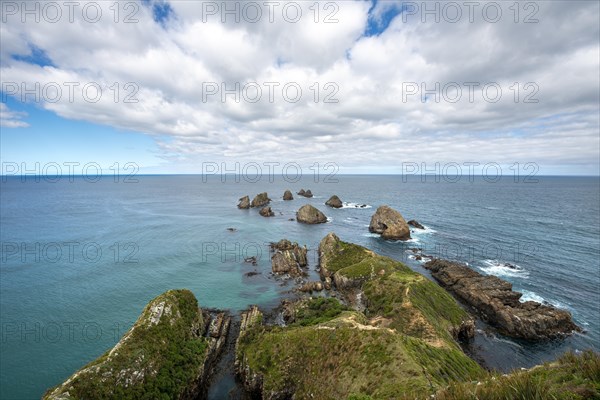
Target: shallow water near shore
<point x="80" y="260"/>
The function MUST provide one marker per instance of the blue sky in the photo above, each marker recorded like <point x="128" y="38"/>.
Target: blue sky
<point x="367" y="57"/>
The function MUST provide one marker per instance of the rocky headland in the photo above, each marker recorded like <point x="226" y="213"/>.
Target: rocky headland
<point x="496" y="302"/>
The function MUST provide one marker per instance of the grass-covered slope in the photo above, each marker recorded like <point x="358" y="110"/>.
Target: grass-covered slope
<point x="401" y="344"/>
<point x="571" y="377"/>
<point x="161" y="357"/>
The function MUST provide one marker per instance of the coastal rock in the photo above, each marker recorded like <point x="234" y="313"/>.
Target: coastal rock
<point x="499" y="305"/>
<point x="311" y="287"/>
<point x="289" y="258"/>
<point x="266" y="212"/>
<point x="334" y="202"/>
<point x="288" y="195"/>
<point x="415" y="224"/>
<point x="144" y="360"/>
<point x="260" y="200"/>
<point x="390" y="224"/>
<point x="301" y="192"/>
<point x="308" y="214"/>
<point x="308" y="194"/>
<point x="244" y="203"/>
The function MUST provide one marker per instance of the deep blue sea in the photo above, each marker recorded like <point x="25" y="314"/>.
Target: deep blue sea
<point x="80" y="260"/>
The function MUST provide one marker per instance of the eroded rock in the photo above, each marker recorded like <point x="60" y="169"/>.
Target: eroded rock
<point x="390" y="224"/>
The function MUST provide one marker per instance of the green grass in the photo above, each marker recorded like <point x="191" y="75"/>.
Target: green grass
<point x="167" y="353"/>
<point x="318" y="310"/>
<point x="571" y="377"/>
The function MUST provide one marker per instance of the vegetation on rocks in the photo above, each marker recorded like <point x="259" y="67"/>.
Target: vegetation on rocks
<point x="161" y="357"/>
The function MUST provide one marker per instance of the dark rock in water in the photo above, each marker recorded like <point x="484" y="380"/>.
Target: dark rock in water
<point x="260" y="200"/>
<point x="244" y="202"/>
<point x="251" y="273"/>
<point x="288" y="195"/>
<point x="363" y="205"/>
<point x="511" y="266"/>
<point x="231" y="229"/>
<point x="289" y="258"/>
<point x="291" y="219"/>
<point x="304" y="193"/>
<point x="311" y="287"/>
<point x="415" y="224"/>
<point x="308" y="214"/>
<point x="250" y="260"/>
<point x="334" y="202"/>
<point x="390" y="224"/>
<point x="499" y="305"/>
<point x="266" y="212"/>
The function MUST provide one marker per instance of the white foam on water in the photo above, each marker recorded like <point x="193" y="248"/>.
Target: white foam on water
<point x="371" y="234"/>
<point x="346" y="204"/>
<point x="499" y="268"/>
<point x="425" y="231"/>
<point x="531" y="296"/>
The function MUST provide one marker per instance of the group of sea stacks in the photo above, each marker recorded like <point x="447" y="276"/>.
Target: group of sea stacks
<point x="386" y="221"/>
<point x="307" y="214"/>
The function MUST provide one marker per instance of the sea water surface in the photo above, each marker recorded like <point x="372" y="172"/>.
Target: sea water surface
<point x="80" y="260"/>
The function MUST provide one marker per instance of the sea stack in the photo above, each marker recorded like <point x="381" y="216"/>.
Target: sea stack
<point x="390" y="224"/>
<point x="244" y="203"/>
<point x="308" y="214"/>
<point x="260" y="200"/>
<point x="288" y="195"/>
<point x="334" y="202"/>
<point x="266" y="212"/>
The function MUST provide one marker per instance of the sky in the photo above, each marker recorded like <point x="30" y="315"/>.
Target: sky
<point x="366" y="86"/>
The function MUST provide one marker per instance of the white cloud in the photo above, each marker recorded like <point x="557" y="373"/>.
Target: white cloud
<point x="11" y="119"/>
<point x="372" y="124"/>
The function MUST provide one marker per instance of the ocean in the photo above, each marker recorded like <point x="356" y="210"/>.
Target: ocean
<point x="81" y="259"/>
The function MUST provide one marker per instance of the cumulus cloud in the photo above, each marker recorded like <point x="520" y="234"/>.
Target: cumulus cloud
<point x="377" y="85"/>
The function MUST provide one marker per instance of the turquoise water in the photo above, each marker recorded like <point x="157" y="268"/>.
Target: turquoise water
<point x="80" y="260"/>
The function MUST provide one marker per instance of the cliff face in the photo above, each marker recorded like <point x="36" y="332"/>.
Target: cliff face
<point x="398" y="336"/>
<point x="167" y="353"/>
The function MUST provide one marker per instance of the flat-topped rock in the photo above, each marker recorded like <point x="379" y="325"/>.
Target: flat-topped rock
<point x="499" y="305"/>
<point x="390" y="224"/>
<point x="289" y="258"/>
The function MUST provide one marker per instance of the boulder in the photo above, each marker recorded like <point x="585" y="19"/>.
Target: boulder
<point x="288" y="195"/>
<point x="308" y="194"/>
<point x="260" y="200"/>
<point x="301" y="192"/>
<point x="266" y="212"/>
<point x="311" y="287"/>
<point x="499" y="305"/>
<point x="308" y="214"/>
<point x="390" y="224"/>
<point x="334" y="202"/>
<point x="289" y="258"/>
<point x="415" y="224"/>
<point x="244" y="202"/>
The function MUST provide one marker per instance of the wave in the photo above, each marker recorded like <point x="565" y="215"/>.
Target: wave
<point x="346" y="204"/>
<point x="500" y="268"/>
<point x="531" y="296"/>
